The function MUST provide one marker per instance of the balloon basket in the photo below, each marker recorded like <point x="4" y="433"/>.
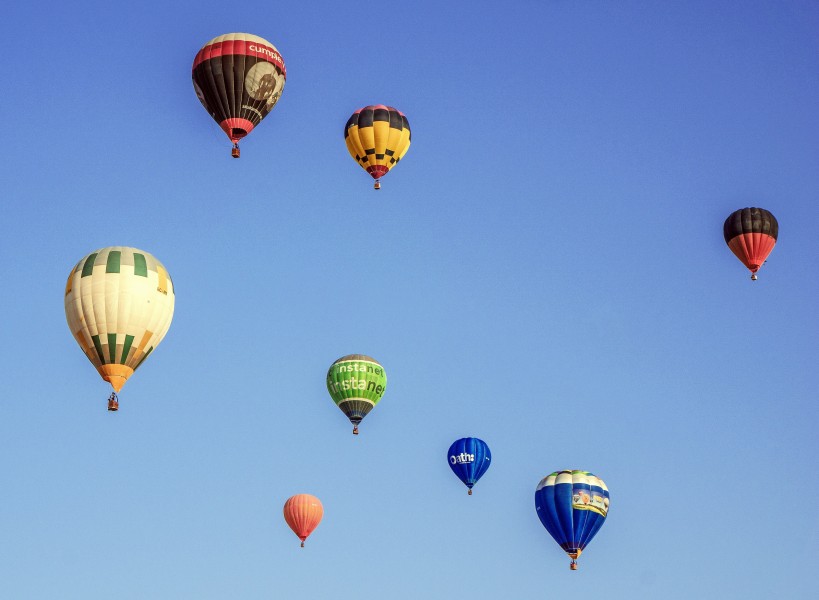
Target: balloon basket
<point x="754" y="277"/>
<point x="235" y="151"/>
<point x="573" y="565"/>
<point x="469" y="493"/>
<point x="355" y="429"/>
<point x="377" y="185"/>
<point x="302" y="544"/>
<point x="113" y="403"/>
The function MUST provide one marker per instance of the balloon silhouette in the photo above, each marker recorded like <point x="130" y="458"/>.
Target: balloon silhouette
<point x="751" y="234"/>
<point x="119" y="304"/>
<point x="469" y="458"/>
<point x="303" y="513"/>
<point x="572" y="506"/>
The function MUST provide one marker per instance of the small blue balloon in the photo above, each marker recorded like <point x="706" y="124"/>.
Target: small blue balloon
<point x="469" y="459"/>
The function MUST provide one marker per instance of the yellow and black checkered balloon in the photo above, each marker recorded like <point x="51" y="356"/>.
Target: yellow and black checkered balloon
<point x="377" y="137"/>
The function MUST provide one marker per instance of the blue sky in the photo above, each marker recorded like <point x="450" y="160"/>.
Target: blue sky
<point x="544" y="270"/>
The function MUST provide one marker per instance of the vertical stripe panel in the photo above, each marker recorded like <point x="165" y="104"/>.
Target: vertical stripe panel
<point x="129" y="339"/>
<point x="112" y="348"/>
<point x="88" y="267"/>
<point x="140" y="265"/>
<point x="113" y="263"/>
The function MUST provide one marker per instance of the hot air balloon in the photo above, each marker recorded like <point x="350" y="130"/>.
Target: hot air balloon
<point x="469" y="458"/>
<point x="377" y="137"/>
<point x="119" y="305"/>
<point x="238" y="78"/>
<point x="303" y="514"/>
<point x="356" y="384"/>
<point x="751" y="235"/>
<point x="572" y="505"/>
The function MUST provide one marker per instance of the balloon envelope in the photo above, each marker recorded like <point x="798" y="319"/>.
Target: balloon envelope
<point x="469" y="458"/>
<point x="303" y="513"/>
<point x="377" y="137"/>
<point x="356" y="383"/>
<point x="751" y="234"/>
<point x="572" y="506"/>
<point x="119" y="303"/>
<point x="238" y="78"/>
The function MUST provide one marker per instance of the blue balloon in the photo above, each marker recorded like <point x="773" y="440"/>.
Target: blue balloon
<point x="469" y="459"/>
<point x="572" y="505"/>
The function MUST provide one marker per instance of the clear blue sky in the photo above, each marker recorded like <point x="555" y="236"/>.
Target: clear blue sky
<point x="544" y="270"/>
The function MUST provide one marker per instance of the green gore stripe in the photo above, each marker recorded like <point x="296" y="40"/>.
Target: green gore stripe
<point x="112" y="348"/>
<point x="114" y="258"/>
<point x="142" y="360"/>
<point x="98" y="346"/>
<point x="129" y="339"/>
<point x="88" y="267"/>
<point x="140" y="265"/>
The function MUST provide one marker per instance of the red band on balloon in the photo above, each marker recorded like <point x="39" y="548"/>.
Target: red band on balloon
<point x="242" y="47"/>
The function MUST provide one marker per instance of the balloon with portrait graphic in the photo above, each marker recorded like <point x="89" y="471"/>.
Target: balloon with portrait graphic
<point x="469" y="458"/>
<point x="572" y="506"/>
<point x="238" y="78"/>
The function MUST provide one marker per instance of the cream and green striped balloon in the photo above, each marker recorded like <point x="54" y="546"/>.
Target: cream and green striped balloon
<point x="119" y="305"/>
<point x="356" y="383"/>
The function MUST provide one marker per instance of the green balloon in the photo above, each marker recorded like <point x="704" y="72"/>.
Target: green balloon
<point x="356" y="384"/>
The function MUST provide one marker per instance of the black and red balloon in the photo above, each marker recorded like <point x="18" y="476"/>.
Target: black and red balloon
<point x="751" y="234"/>
<point x="238" y="78"/>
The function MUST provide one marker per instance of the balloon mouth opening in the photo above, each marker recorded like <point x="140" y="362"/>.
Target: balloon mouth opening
<point x="236" y="128"/>
<point x="377" y="171"/>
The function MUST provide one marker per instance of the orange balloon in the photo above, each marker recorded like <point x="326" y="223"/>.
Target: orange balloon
<point x="303" y="513"/>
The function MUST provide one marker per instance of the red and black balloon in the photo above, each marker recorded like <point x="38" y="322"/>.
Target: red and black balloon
<point x="751" y="234"/>
<point x="238" y="78"/>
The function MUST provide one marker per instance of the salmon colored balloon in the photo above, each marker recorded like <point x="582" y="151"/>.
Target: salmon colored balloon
<point x="303" y="513"/>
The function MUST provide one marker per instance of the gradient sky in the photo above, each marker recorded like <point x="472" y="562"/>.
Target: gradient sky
<point x="544" y="270"/>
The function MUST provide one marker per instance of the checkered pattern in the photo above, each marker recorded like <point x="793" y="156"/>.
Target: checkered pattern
<point x="377" y="137"/>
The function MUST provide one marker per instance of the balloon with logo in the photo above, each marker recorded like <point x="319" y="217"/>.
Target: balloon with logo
<point x="238" y="78"/>
<point x="356" y="384"/>
<point x="751" y="234"/>
<point x="119" y="304"/>
<point x="303" y="513"/>
<point x="572" y="506"/>
<point x="469" y="458"/>
<point x="377" y="137"/>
